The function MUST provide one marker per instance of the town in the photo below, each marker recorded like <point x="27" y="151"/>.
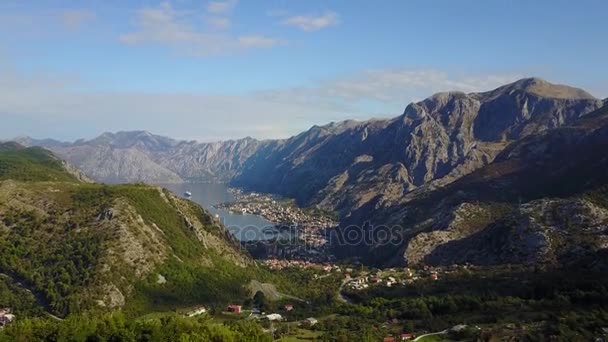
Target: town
<point x="358" y="278"/>
<point x="308" y="229"/>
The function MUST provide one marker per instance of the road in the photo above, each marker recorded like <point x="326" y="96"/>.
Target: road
<point x="431" y="334"/>
<point x="342" y="297"/>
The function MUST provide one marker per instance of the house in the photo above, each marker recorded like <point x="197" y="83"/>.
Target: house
<point x="375" y="280"/>
<point x="312" y="321"/>
<point x="5" y="317"/>
<point x="234" y="308"/>
<point x="406" y="337"/>
<point x="274" y="317"/>
<point x="434" y="276"/>
<point x="390" y="339"/>
<point x="288" y="307"/>
<point x="458" y="328"/>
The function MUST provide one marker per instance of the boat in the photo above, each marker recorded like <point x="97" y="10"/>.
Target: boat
<point x="188" y="194"/>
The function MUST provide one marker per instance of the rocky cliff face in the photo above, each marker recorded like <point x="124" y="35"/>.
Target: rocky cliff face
<point x="374" y="170"/>
<point x="342" y="166"/>
<point x="436" y="141"/>
<point x="542" y="200"/>
<point x="139" y="156"/>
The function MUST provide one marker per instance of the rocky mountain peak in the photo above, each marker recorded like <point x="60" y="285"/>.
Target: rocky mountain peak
<point x="541" y="88"/>
<point x="137" y="139"/>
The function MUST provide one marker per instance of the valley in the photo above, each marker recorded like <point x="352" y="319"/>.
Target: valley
<point x="479" y="215"/>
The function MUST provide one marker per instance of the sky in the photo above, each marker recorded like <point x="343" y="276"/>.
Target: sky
<point x="223" y="69"/>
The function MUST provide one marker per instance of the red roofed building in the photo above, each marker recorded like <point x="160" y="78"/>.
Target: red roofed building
<point x="406" y="337"/>
<point x="234" y="308"/>
<point x="389" y="339"/>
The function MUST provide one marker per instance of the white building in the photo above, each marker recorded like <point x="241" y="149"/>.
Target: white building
<point x="274" y="317"/>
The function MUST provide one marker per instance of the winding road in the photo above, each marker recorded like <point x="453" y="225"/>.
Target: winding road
<point x="431" y="334"/>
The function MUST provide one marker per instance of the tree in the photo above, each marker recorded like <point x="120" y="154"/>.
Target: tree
<point x="259" y="300"/>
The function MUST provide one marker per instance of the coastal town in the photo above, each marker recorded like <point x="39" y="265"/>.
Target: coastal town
<point x="307" y="244"/>
<point x="306" y="237"/>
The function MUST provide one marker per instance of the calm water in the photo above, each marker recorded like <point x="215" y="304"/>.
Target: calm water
<point x="244" y="227"/>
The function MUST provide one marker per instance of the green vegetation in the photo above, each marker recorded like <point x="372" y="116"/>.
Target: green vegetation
<point x="569" y="304"/>
<point x="116" y="327"/>
<point x="74" y="244"/>
<point x="30" y="164"/>
<point x="190" y="284"/>
<point x="300" y="335"/>
<point x="66" y="246"/>
<point x="56" y="257"/>
<point x="59" y="236"/>
<point x="13" y="296"/>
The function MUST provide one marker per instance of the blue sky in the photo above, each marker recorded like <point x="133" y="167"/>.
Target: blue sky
<point x="210" y="70"/>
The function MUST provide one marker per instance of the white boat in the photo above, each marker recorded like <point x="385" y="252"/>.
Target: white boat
<point x="188" y="194"/>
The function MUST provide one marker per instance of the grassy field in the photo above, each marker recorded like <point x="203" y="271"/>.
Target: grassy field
<point x="302" y="335"/>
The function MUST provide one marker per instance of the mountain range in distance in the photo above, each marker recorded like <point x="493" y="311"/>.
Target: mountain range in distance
<point x="434" y="171"/>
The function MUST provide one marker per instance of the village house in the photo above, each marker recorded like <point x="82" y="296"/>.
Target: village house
<point x="288" y="307"/>
<point x="6" y="317"/>
<point x="406" y="337"/>
<point x="274" y="317"/>
<point x="311" y="321"/>
<point x="375" y="280"/>
<point x="234" y="308"/>
<point x="390" y="339"/>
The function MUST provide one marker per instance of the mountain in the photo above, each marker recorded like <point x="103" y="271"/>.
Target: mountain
<point x="409" y="171"/>
<point x="434" y="142"/>
<point x="80" y="246"/>
<point x="544" y="199"/>
<point x="342" y="166"/>
<point x="139" y="156"/>
<point x="27" y="141"/>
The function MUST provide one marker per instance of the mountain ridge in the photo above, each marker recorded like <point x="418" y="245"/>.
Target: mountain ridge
<point x="81" y="246"/>
<point x="344" y="165"/>
<point x="532" y="191"/>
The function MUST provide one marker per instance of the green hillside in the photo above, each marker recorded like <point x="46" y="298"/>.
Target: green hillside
<point x="30" y="164"/>
<point x="78" y="246"/>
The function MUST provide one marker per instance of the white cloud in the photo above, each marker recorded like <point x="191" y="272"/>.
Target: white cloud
<point x="220" y="7"/>
<point x="387" y="88"/>
<point x="178" y="30"/>
<point x="46" y="105"/>
<point x="312" y="23"/>
<point x="63" y="107"/>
